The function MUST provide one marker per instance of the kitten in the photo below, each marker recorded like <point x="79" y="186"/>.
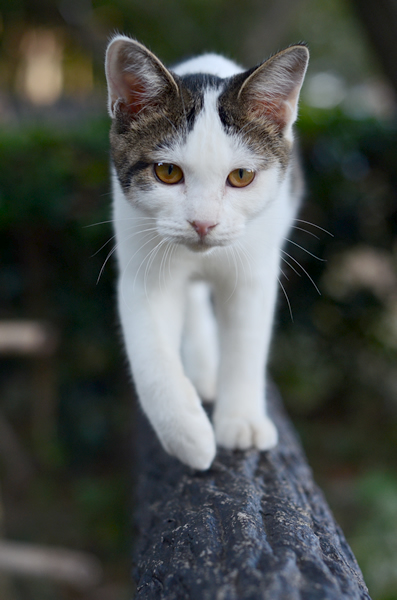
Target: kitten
<point x="205" y="186"/>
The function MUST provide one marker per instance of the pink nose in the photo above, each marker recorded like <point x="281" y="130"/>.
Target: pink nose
<point x="202" y="227"/>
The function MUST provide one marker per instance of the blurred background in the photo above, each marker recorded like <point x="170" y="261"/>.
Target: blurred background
<point x="65" y="408"/>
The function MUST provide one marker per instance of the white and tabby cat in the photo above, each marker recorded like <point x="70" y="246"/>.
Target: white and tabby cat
<point x="206" y="185"/>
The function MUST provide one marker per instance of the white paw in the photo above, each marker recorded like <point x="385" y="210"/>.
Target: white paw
<point x="191" y="439"/>
<point x="239" y="432"/>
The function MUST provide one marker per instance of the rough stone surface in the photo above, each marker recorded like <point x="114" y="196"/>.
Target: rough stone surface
<point x="255" y="526"/>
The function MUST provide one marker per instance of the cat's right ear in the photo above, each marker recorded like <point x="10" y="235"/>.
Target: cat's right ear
<point x="136" y="78"/>
<point x="272" y="89"/>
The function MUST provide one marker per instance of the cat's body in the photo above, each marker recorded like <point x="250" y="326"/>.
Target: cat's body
<point x="205" y="189"/>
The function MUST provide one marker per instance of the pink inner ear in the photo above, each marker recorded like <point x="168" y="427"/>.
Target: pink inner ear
<point x="134" y="94"/>
<point x="274" y="109"/>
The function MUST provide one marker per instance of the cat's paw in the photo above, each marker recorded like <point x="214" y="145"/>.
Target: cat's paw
<point x="240" y="432"/>
<point x="191" y="440"/>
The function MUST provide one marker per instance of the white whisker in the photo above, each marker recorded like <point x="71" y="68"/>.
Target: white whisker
<point x="151" y="258"/>
<point x="290" y="266"/>
<point x="148" y="256"/>
<point x="103" y="245"/>
<point x="175" y="247"/>
<point x="314" y="225"/>
<point x="306" y="231"/>
<point x="113" y="250"/>
<point x="287" y="299"/>
<point x="129" y="262"/>
<point x="128" y="229"/>
<point x="120" y="221"/>
<point x="303" y="269"/>
<point x="304" y="250"/>
<point x="282" y="272"/>
<point x="162" y="265"/>
<point x="173" y="251"/>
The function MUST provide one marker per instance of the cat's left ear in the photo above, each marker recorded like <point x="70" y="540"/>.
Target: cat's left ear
<point x="272" y="89"/>
<point x="136" y="78"/>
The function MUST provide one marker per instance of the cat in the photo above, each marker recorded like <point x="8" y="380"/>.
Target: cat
<point x="206" y="184"/>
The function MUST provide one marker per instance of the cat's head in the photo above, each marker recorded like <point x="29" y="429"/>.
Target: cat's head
<point x="200" y="153"/>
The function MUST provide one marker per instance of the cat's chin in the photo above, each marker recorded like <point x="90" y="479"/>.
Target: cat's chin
<point x="202" y="247"/>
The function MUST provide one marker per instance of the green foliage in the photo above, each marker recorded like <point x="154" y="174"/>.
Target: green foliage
<point x="54" y="184"/>
<point x="51" y="175"/>
<point x="375" y="543"/>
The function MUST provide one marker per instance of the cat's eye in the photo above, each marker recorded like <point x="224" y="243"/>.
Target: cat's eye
<point x="168" y="173"/>
<point x="240" y="177"/>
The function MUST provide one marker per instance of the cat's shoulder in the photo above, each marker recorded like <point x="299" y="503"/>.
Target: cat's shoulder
<point x="210" y="63"/>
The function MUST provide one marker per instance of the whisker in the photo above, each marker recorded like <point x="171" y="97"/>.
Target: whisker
<point x="290" y="266"/>
<point x="113" y="250"/>
<point x="119" y="221"/>
<point x="287" y="299"/>
<point x="282" y="272"/>
<point x="303" y="269"/>
<point x="306" y="231"/>
<point x="148" y="256"/>
<point x="151" y="258"/>
<point x="103" y="245"/>
<point x="163" y="263"/>
<point x="128" y="229"/>
<point x="173" y="251"/>
<point x="129" y="262"/>
<point x="304" y="250"/>
<point x="314" y="225"/>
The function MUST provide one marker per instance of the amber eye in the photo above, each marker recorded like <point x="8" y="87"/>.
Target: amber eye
<point x="168" y="173"/>
<point x="240" y="177"/>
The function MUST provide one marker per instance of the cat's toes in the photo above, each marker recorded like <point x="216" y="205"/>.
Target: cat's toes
<point x="265" y="434"/>
<point x="239" y="432"/>
<point x="193" y="443"/>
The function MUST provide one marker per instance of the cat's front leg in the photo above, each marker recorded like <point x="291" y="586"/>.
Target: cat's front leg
<point x="152" y="327"/>
<point x="245" y="322"/>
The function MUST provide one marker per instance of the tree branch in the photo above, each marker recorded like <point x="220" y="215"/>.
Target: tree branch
<point x="254" y="526"/>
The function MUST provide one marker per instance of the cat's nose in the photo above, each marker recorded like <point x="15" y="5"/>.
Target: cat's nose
<point x="202" y="227"/>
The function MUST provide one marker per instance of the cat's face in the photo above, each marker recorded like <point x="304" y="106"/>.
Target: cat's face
<point x="201" y="154"/>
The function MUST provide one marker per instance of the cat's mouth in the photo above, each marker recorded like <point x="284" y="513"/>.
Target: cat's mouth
<point x="206" y="245"/>
<point x="199" y="243"/>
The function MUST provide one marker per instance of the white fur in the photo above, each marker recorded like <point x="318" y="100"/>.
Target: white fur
<point x="208" y="63"/>
<point x="241" y="268"/>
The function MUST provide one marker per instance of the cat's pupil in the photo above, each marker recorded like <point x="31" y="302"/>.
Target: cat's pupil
<point x="241" y="173"/>
<point x="170" y="169"/>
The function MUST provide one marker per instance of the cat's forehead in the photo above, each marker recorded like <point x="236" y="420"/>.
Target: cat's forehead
<point x="208" y="147"/>
<point x="199" y="83"/>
